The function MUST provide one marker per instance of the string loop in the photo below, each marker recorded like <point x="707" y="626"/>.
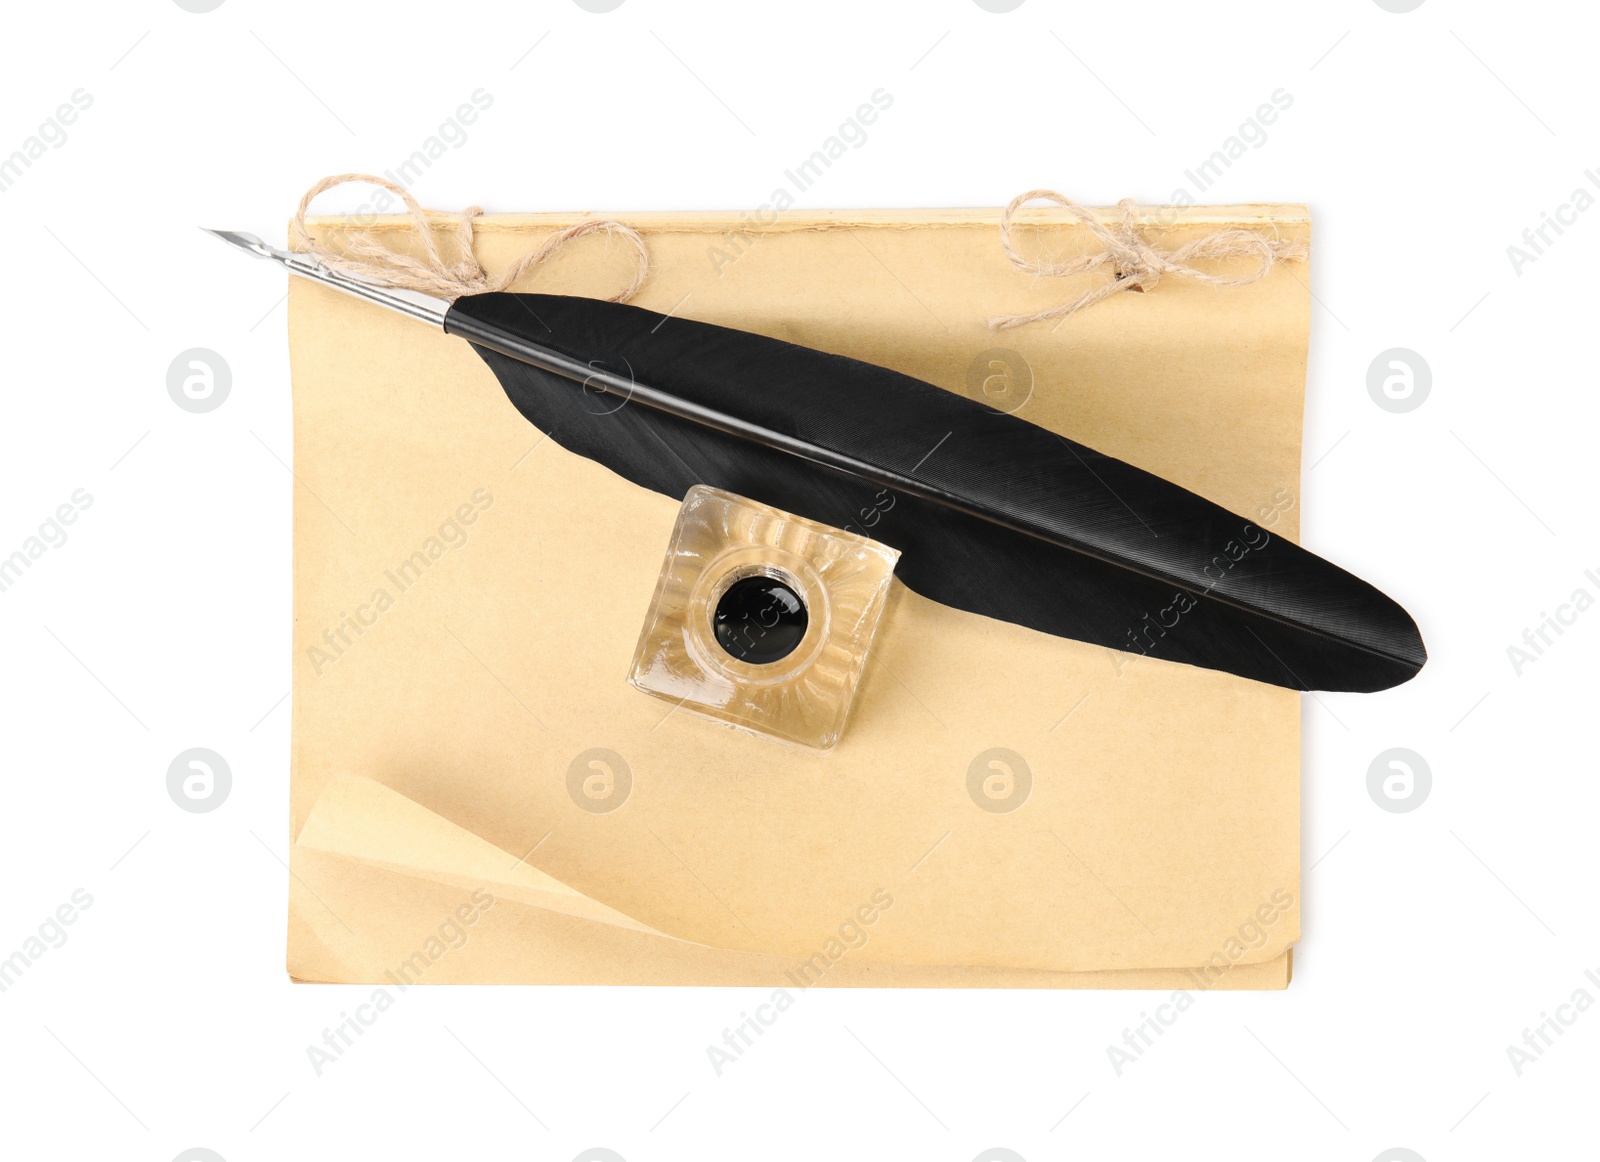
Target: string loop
<point x="364" y="257"/>
<point x="1135" y="263"/>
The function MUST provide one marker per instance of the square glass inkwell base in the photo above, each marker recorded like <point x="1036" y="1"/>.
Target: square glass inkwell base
<point x="761" y="619"/>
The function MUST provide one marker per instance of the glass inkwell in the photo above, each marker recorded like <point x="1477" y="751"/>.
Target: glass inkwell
<point x="762" y="620"/>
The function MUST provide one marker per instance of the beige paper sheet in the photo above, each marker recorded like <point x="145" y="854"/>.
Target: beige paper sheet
<point x="437" y="710"/>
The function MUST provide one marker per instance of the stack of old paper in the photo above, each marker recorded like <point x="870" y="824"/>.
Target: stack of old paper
<point x="478" y="795"/>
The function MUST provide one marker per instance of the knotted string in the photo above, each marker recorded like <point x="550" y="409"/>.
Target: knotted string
<point x="365" y="258"/>
<point x="1134" y="262"/>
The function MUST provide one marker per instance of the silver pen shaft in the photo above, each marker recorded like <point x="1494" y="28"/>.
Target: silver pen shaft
<point x="419" y="306"/>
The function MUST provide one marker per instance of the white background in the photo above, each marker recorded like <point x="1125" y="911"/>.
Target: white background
<point x="1425" y="142"/>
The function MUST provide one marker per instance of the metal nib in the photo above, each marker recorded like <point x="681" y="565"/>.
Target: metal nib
<point x="249" y="243"/>
<point x="418" y="306"/>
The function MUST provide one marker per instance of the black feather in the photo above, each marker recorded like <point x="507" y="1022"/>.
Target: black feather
<point x="992" y="514"/>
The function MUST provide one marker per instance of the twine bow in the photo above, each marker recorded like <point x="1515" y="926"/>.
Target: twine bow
<point x="365" y="258"/>
<point x="1135" y="263"/>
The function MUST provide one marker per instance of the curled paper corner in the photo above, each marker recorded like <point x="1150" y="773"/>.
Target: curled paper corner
<point x="361" y="819"/>
<point x="370" y="864"/>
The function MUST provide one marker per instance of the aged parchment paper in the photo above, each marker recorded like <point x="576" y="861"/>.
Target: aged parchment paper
<point x="468" y="596"/>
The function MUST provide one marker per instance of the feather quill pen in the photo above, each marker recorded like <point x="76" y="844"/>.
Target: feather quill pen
<point x="992" y="514"/>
